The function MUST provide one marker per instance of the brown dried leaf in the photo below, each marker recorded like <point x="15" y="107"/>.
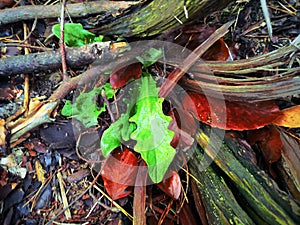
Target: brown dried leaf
<point x="119" y="172"/>
<point x="217" y="52"/>
<point x="79" y="175"/>
<point x="3" y="133"/>
<point x="268" y="139"/>
<point x="171" y="185"/>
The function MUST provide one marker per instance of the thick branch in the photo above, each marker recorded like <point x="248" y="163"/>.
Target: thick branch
<point x="31" y="12"/>
<point x="36" y="62"/>
<point x="159" y="16"/>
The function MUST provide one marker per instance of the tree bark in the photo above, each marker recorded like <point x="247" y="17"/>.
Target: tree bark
<point x="159" y="16"/>
<point x="255" y="192"/>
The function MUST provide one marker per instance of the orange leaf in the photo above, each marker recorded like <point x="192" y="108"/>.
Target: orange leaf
<point x="119" y="172"/>
<point x="289" y="118"/>
<point x="171" y="185"/>
<point x="121" y="76"/>
<point x="235" y="115"/>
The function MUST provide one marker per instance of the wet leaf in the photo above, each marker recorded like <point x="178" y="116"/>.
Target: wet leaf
<point x="74" y="34"/>
<point x="171" y="185"/>
<point x="85" y="108"/>
<point x="268" y="139"/>
<point x="121" y="76"/>
<point x="235" y="115"/>
<point x="152" y="134"/>
<point x="289" y="118"/>
<point x="150" y="57"/>
<point x="184" y="120"/>
<point x="145" y="123"/>
<point x="119" y="172"/>
<point x="67" y="109"/>
<point x="112" y="136"/>
<point x="121" y="129"/>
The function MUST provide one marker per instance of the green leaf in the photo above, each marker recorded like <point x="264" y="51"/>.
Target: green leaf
<point x="121" y="129"/>
<point x="67" y="109"/>
<point x="152" y="134"/>
<point x="85" y="107"/>
<point x="109" y="92"/>
<point x="99" y="38"/>
<point x="150" y="57"/>
<point x="74" y="34"/>
<point x="111" y="137"/>
<point x="145" y="123"/>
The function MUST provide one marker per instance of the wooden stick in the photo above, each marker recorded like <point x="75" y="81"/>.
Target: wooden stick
<point x="31" y="12"/>
<point x="36" y="62"/>
<point x="62" y="42"/>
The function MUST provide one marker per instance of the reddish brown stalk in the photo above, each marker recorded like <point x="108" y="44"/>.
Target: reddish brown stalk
<point x="62" y="42"/>
<point x="139" y="202"/>
<point x="176" y="74"/>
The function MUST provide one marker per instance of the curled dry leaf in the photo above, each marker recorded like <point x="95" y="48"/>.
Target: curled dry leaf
<point x="235" y="115"/>
<point x="289" y="118"/>
<point x="171" y="185"/>
<point x="3" y="133"/>
<point x="269" y="141"/>
<point x="119" y="172"/>
<point x="120" y="76"/>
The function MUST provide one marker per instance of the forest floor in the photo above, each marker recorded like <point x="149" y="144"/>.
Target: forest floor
<point x="50" y="159"/>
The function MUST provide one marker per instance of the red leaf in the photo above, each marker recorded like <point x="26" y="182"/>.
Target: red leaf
<point x="217" y="52"/>
<point x="235" y="115"/>
<point x="171" y="185"/>
<point x="119" y="77"/>
<point x="269" y="141"/>
<point x="191" y="36"/>
<point x="182" y="138"/>
<point x="119" y="172"/>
